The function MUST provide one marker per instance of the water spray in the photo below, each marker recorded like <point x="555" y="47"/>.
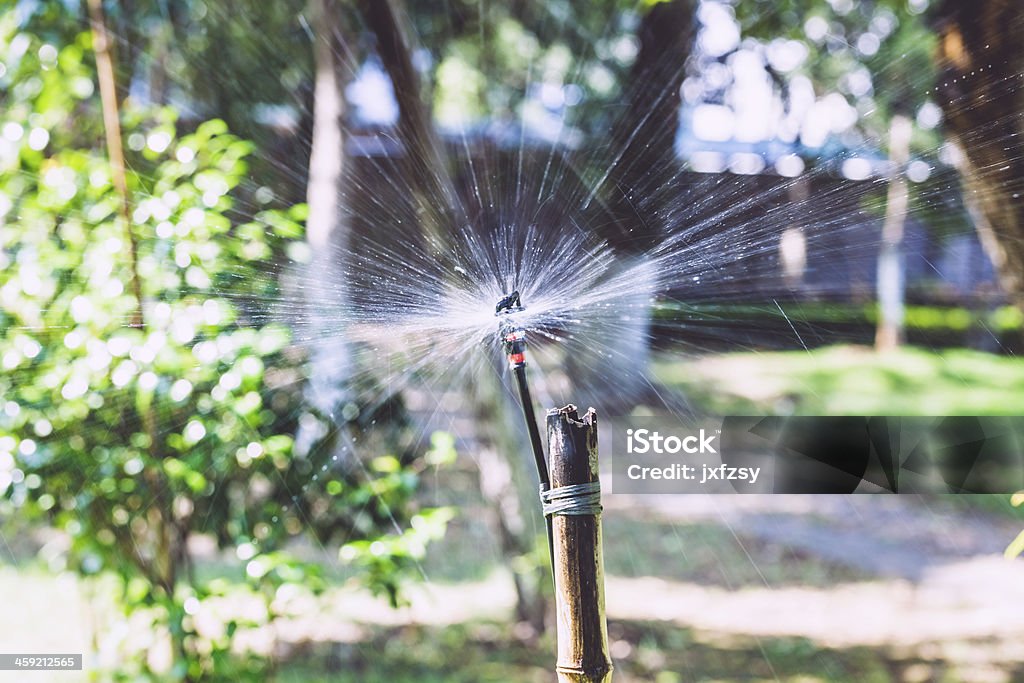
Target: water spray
<point x="513" y="340"/>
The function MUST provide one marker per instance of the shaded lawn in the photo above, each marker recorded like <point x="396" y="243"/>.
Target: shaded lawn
<point x="850" y="380"/>
<point x="634" y="546"/>
<point x="487" y="651"/>
<point x="712" y="555"/>
<point x="642" y="651"/>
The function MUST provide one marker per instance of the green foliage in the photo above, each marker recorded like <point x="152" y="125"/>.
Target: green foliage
<point x="132" y="439"/>
<point x="878" y="55"/>
<point x="383" y="558"/>
<point x="488" y="57"/>
<point x="1016" y="547"/>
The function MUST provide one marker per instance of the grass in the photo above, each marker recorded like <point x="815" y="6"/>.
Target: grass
<point x="711" y="555"/>
<point x="641" y="651"/>
<point x="849" y="380"/>
<point x="951" y="318"/>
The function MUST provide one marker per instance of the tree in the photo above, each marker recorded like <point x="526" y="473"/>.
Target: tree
<point x="877" y="55"/>
<point x="642" y="160"/>
<point x="891" y="286"/>
<point x="327" y="224"/>
<point x="438" y="209"/>
<point x="634" y="196"/>
<point x="980" y="93"/>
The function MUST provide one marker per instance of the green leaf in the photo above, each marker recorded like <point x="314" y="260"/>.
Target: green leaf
<point x="1015" y="548"/>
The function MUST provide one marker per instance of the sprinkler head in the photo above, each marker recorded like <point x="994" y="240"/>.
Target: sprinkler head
<point x="511" y="335"/>
<point x="509" y="304"/>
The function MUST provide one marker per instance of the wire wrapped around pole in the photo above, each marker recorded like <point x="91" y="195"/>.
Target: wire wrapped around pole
<point x="578" y="499"/>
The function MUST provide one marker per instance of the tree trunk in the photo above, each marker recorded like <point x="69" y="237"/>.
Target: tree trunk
<point x="643" y="160"/>
<point x="640" y="184"/>
<point x="325" y="231"/>
<point x="891" y="280"/>
<point x="436" y="202"/>
<point x="981" y="58"/>
<point x="326" y="158"/>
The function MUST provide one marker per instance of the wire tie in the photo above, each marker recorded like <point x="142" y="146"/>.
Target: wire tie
<point x="578" y="499"/>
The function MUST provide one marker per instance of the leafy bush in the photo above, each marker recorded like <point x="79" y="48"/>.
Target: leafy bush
<point x="132" y="438"/>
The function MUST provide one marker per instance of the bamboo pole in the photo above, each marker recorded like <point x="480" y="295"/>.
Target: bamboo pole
<point x="578" y="561"/>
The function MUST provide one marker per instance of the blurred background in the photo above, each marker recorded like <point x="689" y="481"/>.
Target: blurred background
<point x="250" y="428"/>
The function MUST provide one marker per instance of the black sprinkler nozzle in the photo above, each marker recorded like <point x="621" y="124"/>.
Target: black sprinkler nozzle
<point x="509" y="304"/>
<point x="511" y="335"/>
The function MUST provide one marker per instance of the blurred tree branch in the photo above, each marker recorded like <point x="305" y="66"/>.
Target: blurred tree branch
<point x="106" y="75"/>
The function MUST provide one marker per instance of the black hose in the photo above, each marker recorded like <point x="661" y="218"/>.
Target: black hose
<point x="531" y="425"/>
<point x="537" y="446"/>
<point x="513" y="339"/>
